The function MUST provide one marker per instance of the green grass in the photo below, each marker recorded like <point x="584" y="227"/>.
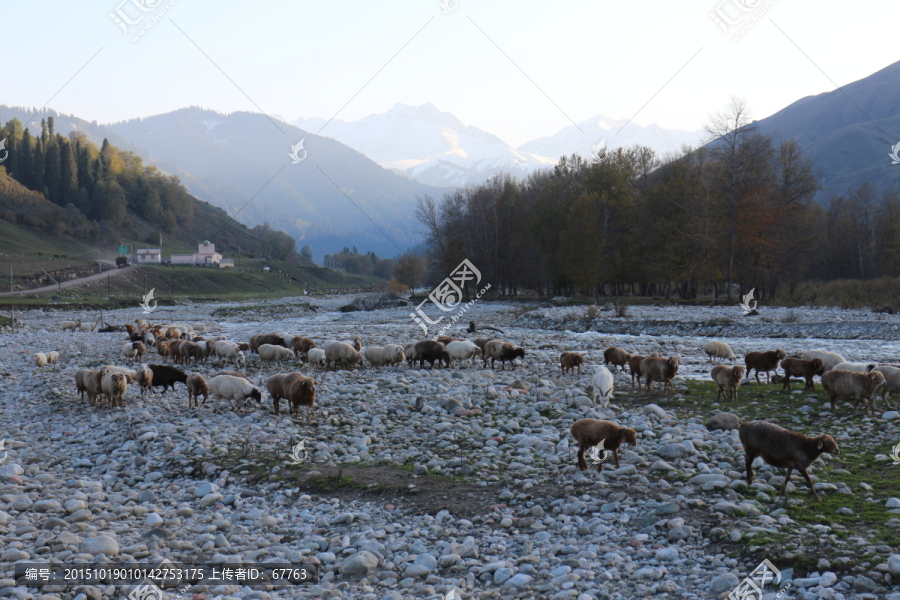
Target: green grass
<point x="853" y="467"/>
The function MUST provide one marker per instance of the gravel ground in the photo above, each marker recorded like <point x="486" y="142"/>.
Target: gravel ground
<point x="418" y="482"/>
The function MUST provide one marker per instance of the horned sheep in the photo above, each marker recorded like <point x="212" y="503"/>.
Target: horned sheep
<point x="602" y="385"/>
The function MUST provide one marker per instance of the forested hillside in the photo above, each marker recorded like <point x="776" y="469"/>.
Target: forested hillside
<point x="101" y="195"/>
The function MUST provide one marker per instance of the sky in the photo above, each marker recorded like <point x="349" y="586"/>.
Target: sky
<point x="520" y="69"/>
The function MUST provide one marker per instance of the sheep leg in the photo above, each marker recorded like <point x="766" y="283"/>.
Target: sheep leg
<point x="616" y="456"/>
<point x="582" y="464"/>
<point x="786" y="385"/>
<point x="810" y="483"/>
<point x="309" y="414"/>
<point x="749" y="459"/>
<point x="787" y="478"/>
<point x="276" y="400"/>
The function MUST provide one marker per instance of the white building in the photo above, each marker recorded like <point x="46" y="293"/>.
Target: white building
<point x="149" y="256"/>
<point x="205" y="255"/>
<point x="226" y="262"/>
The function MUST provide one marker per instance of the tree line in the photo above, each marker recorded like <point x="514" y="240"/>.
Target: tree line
<point x="733" y="215"/>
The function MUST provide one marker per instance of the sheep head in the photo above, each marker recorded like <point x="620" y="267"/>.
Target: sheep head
<point x="631" y="436"/>
<point x="826" y="443"/>
<point x="738" y="372"/>
<point x="818" y="366"/>
<point x="256" y="394"/>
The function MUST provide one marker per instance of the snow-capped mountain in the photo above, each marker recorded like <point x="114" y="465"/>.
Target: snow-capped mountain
<point x="436" y="148"/>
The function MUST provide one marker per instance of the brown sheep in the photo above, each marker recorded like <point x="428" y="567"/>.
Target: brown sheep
<point x="480" y="342"/>
<point x="502" y="351"/>
<point x="590" y="432"/>
<point x="616" y="356"/>
<point x="782" y="448"/>
<point x="243" y="346"/>
<point x="763" y="361"/>
<point x="806" y="369"/>
<point x="660" y="369"/>
<point x="276" y="389"/>
<point x="143" y="376"/>
<point x="196" y="387"/>
<point x="568" y="361"/>
<point x="357" y="344"/>
<point x="446" y="339"/>
<point x="232" y="373"/>
<point x="189" y="350"/>
<point x="301" y="392"/>
<point x="92" y="382"/>
<point x="80" y="383"/>
<point x="634" y="364"/>
<point x="728" y="379"/>
<point x="163" y="349"/>
<point x="849" y="385"/>
<point x="269" y="338"/>
<point x="302" y="345"/>
<point x="431" y="351"/>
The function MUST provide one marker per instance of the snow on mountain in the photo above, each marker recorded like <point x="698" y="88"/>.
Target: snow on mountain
<point x="436" y="148"/>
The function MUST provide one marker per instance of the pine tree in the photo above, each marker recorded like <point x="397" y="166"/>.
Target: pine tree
<point x="50" y="125"/>
<point x="68" y="174"/>
<point x="53" y="173"/>
<point x="26" y="168"/>
<point x="37" y="165"/>
<point x="44" y="135"/>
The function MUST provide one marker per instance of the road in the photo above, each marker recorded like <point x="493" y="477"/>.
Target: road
<point x="71" y="282"/>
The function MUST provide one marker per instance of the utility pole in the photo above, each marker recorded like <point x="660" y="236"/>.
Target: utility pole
<point x="10" y="278"/>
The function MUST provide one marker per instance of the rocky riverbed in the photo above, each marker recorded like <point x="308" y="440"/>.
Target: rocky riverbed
<point x="419" y="482"/>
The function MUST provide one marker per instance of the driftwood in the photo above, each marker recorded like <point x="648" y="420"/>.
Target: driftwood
<point x="473" y="328"/>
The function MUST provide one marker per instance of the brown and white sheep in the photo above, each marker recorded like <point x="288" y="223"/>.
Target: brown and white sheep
<point x="763" y="361"/>
<point x="660" y="369"/>
<point x="569" y="361"/>
<point x="502" y="351"/>
<point x="782" y="448"/>
<point x="728" y="379"/>
<point x="616" y="356"/>
<point x="849" y="385"/>
<point x="797" y="367"/>
<point x="590" y="432"/>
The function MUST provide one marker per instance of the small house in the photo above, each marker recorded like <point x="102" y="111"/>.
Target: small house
<point x="149" y="256"/>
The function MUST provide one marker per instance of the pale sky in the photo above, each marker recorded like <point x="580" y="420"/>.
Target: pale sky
<point x="300" y="58"/>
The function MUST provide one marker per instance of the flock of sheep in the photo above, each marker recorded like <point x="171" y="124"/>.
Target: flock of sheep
<point x="858" y="382"/>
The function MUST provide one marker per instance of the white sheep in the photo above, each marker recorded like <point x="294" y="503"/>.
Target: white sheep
<point x="149" y="339"/>
<point x="316" y="357"/>
<point x="719" y="350"/>
<point x="144" y="378"/>
<point x="40" y="360"/>
<point x="830" y="359"/>
<point x="114" y="386"/>
<point x="602" y="384"/>
<point x="88" y="326"/>
<point x="234" y="389"/>
<point x="856" y="367"/>
<point x="229" y="350"/>
<point x="339" y="353"/>
<point x="200" y="328"/>
<point x="463" y="350"/>
<point x="392" y="354"/>
<point x="272" y="353"/>
<point x="53" y="358"/>
<point x="130" y="374"/>
<point x="71" y="325"/>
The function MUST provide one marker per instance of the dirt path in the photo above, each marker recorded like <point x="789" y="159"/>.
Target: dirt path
<point x="71" y="282"/>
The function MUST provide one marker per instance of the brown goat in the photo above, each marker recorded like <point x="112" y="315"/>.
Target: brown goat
<point x="196" y="387"/>
<point x="849" y="385"/>
<point x="728" y="379"/>
<point x="782" y="448"/>
<point x="806" y="369"/>
<point x="660" y="369"/>
<point x="568" y="361"/>
<point x="616" y="356"/>
<point x="763" y="361"/>
<point x="590" y="432"/>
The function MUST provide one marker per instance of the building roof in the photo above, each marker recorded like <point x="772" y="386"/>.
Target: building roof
<point x="149" y="251"/>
